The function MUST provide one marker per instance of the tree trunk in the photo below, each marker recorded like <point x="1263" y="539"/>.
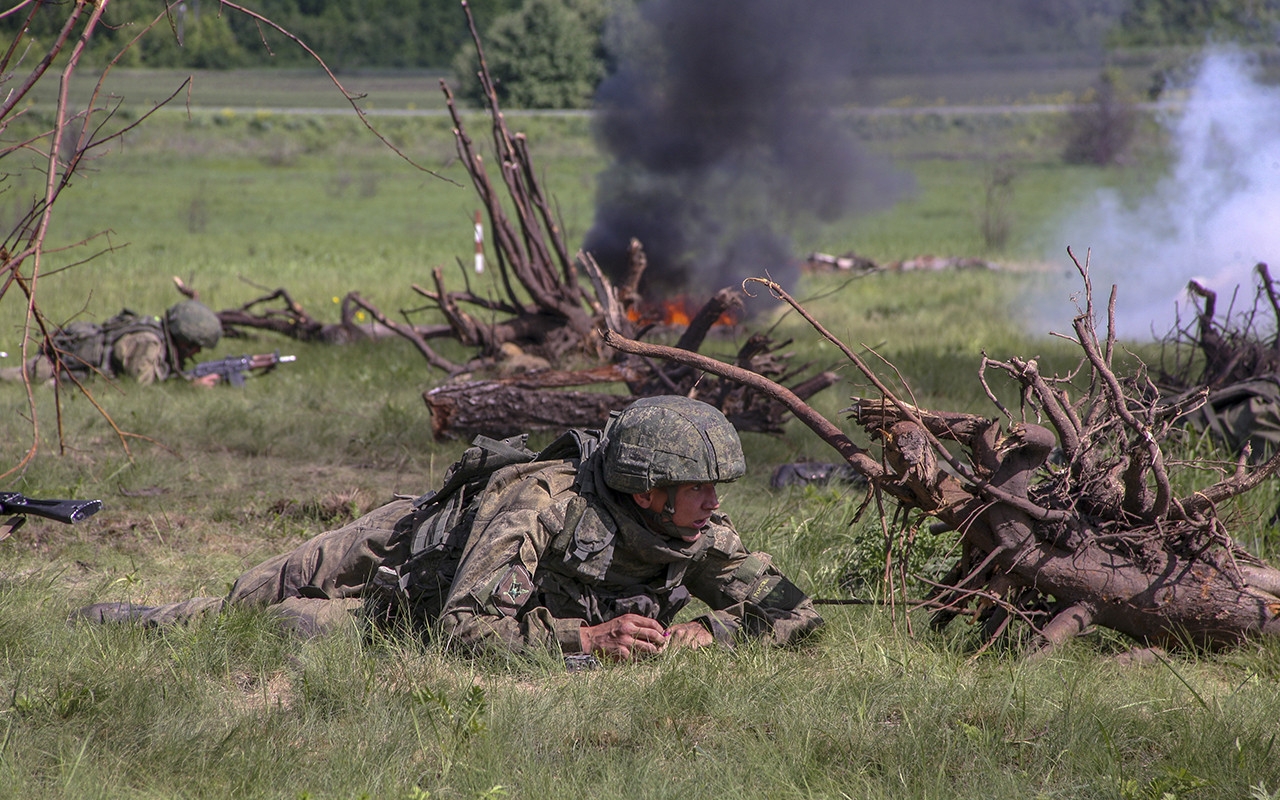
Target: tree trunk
<point x="504" y="408"/>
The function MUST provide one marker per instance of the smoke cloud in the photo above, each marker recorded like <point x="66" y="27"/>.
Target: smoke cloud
<point x="1212" y="218"/>
<point x="718" y="119"/>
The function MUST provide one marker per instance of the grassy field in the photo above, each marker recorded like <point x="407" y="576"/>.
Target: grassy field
<point x="994" y="79"/>
<point x="199" y="485"/>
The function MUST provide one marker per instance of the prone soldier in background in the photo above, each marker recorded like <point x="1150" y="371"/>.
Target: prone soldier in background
<point x="144" y="348"/>
<point x="590" y="547"/>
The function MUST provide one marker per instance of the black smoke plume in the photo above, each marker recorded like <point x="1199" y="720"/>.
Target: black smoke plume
<point x="721" y="120"/>
<point x="718" y="122"/>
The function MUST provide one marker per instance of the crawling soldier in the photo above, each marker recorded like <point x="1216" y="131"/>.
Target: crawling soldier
<point x="591" y="548"/>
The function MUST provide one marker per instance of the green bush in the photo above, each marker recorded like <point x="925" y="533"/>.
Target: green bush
<point x="1172" y="22"/>
<point x="545" y="55"/>
<point x="1100" y="131"/>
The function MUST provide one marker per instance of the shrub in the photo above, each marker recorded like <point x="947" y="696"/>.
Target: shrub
<point x="545" y="55"/>
<point x="1100" y="131"/>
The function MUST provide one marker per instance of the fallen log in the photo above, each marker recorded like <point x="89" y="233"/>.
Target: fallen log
<point x="1215" y="351"/>
<point x="854" y="263"/>
<point x="533" y="401"/>
<point x="277" y="312"/>
<point x="1226" y="369"/>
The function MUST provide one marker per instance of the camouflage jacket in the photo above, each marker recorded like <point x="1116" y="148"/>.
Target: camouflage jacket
<point x="551" y="549"/>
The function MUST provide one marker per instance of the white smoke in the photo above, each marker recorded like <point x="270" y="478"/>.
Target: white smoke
<point x="1212" y="218"/>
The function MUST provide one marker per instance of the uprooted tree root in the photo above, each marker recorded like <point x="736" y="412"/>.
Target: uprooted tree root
<point x="1215" y="351"/>
<point x="1095" y="538"/>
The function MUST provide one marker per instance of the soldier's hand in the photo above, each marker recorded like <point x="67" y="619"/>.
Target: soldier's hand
<point x="206" y="381"/>
<point x="690" y="634"/>
<point x="626" y="637"/>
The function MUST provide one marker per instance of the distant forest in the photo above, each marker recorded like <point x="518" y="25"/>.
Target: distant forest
<point x="428" y="34"/>
<point x="349" y="34"/>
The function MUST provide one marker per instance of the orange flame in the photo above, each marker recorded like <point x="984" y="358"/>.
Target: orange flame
<point x="678" y="310"/>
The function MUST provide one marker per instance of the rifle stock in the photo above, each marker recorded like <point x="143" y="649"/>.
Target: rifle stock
<point x="68" y="511"/>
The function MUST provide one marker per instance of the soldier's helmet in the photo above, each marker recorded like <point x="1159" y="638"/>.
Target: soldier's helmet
<point x="194" y="323"/>
<point x="661" y="441"/>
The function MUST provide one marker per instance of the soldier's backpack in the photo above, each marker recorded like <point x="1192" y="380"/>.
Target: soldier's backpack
<point x="440" y="511"/>
<point x="441" y="519"/>
<point x="83" y="347"/>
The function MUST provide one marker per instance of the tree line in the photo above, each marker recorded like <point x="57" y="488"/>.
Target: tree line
<point x="349" y="34"/>
<point x="553" y="53"/>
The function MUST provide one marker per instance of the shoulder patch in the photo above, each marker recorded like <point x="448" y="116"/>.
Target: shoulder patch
<point x="512" y="591"/>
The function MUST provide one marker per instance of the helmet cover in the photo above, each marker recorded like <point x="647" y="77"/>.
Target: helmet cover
<point x="666" y="440"/>
<point x="194" y="323"/>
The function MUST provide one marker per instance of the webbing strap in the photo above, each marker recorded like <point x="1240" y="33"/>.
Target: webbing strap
<point x="503" y="450"/>
<point x="431" y="533"/>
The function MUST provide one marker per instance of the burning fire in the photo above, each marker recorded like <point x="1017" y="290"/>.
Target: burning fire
<point x="678" y="310"/>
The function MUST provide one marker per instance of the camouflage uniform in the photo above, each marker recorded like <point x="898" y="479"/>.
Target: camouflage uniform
<point x="549" y="547"/>
<point x="141" y="348"/>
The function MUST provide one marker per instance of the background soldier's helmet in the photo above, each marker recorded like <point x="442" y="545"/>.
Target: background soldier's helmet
<point x="660" y="441"/>
<point x="194" y="323"/>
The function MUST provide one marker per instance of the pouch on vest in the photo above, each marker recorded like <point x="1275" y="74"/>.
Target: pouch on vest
<point x="586" y="539"/>
<point x="78" y="347"/>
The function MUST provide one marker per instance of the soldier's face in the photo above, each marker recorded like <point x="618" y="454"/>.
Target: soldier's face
<point x="693" y="503"/>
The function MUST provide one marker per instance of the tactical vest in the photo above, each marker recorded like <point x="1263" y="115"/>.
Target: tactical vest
<point x="82" y="348"/>
<point x="441" y="520"/>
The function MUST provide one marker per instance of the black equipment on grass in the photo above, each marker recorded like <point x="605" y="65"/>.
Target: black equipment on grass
<point x="20" y="506"/>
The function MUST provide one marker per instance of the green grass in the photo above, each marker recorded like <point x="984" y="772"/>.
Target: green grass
<point x="231" y="202"/>
<point x="231" y="708"/>
<point x="878" y="707"/>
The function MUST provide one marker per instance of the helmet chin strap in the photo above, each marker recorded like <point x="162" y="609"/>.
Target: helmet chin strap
<point x="661" y="522"/>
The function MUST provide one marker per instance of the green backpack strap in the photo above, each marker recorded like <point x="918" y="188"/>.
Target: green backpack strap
<point x="439" y="511"/>
<point x="484" y="457"/>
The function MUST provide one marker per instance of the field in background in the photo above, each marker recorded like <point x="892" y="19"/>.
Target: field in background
<point x="237" y="202"/>
<point x="265" y="89"/>
<point x="318" y="205"/>
<point x="990" y="81"/>
<point x="239" y="183"/>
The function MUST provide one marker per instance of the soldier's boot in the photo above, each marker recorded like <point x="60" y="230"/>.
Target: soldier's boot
<point x="109" y="612"/>
<point x="150" y="616"/>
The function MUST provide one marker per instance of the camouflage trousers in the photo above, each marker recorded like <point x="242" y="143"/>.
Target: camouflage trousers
<point x="318" y="585"/>
<point x="38" y="368"/>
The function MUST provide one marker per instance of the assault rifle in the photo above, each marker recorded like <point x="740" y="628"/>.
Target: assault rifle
<point x="232" y="369"/>
<point x="19" y="505"/>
